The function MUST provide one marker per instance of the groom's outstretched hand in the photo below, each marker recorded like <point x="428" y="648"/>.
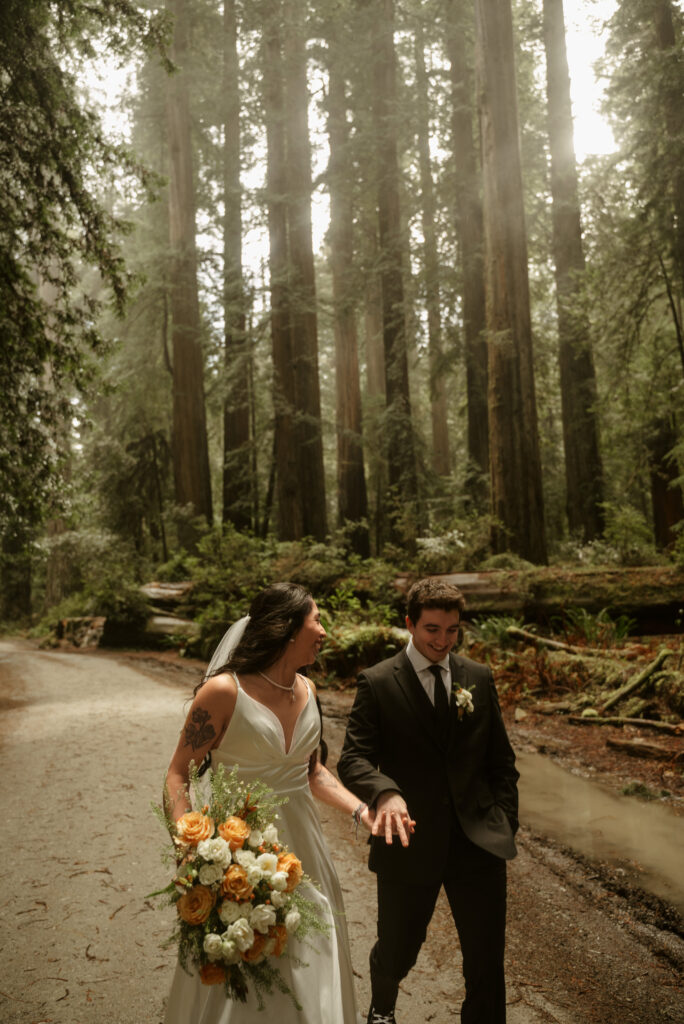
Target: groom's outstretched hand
<point x="392" y="818"/>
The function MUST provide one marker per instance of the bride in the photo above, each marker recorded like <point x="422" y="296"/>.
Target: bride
<point x="255" y="710"/>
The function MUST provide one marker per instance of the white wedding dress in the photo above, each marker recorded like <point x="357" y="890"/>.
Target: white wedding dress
<point x="254" y="740"/>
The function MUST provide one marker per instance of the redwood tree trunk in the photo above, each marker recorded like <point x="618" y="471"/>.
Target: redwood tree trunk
<point x="237" y="483"/>
<point x="674" y="121"/>
<point x="583" y="466"/>
<point x="441" y="462"/>
<point x="16" y="569"/>
<point x="308" y="426"/>
<point x="470" y="233"/>
<point x="514" y="441"/>
<point x="375" y="386"/>
<point x="190" y="449"/>
<point x="666" y="494"/>
<point x="352" y="503"/>
<point x="399" y="428"/>
<point x="290" y="522"/>
<point x="376" y="462"/>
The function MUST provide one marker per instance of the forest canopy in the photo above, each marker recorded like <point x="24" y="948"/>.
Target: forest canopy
<point x="338" y="277"/>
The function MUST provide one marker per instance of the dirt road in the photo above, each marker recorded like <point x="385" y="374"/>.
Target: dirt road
<point x="84" y="743"/>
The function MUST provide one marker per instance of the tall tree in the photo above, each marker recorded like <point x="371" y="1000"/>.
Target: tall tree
<point x="290" y="518"/>
<point x="441" y="462"/>
<point x="470" y="233"/>
<point x="583" y="466"/>
<point x="298" y="432"/>
<point x="54" y="229"/>
<point x="666" y="19"/>
<point x="399" y="428"/>
<point x="640" y="289"/>
<point x="645" y="65"/>
<point x="303" y="283"/>
<point x="517" y="499"/>
<point x="190" y="447"/>
<point x="365" y="155"/>
<point x="352" y="502"/>
<point x="666" y="493"/>
<point x="237" y="468"/>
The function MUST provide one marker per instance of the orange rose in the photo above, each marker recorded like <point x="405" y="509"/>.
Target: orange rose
<point x="196" y="905"/>
<point x="279" y="933"/>
<point x="235" y="884"/>
<point x="256" y="949"/>
<point x="235" y="831"/>
<point x="292" y="867"/>
<point x="212" y="974"/>
<point x="193" y="827"/>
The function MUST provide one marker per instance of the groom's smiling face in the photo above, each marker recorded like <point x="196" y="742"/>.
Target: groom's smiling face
<point x="435" y="633"/>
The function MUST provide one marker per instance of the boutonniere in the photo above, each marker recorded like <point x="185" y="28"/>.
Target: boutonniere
<point x="463" y="700"/>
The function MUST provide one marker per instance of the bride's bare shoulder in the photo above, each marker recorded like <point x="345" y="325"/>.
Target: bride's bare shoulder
<point x="218" y="688"/>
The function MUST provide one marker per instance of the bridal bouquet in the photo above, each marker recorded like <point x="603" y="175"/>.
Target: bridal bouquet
<point x="235" y="887"/>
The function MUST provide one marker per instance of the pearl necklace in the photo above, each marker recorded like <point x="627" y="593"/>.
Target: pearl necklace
<point x="280" y="685"/>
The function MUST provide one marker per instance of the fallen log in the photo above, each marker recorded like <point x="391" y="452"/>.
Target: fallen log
<point x="637" y="680"/>
<point x="83" y="631"/>
<point x="639" y="748"/>
<point x="651" y="595"/>
<point x="167" y="593"/>
<point x="558" y="645"/>
<point x="171" y="625"/>
<point x="647" y="723"/>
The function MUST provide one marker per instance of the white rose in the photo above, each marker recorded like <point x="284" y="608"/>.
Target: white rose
<point x="278" y="899"/>
<point x="254" y="874"/>
<point x="229" y="951"/>
<point x="292" y="920"/>
<point x="229" y="911"/>
<point x="210" y="873"/>
<point x="279" y="881"/>
<point x="241" y="934"/>
<point x="269" y="947"/>
<point x="245" y="858"/>
<point x="270" y="835"/>
<point x="216" y="850"/>
<point x="256" y="837"/>
<point x="268" y="862"/>
<point x="262" y="918"/>
<point x="213" y="946"/>
<point x="464" y="700"/>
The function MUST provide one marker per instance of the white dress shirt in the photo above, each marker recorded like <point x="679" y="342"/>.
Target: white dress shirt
<point x="422" y="666"/>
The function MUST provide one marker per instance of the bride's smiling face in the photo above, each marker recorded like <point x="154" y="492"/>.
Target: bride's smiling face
<point x="307" y="642"/>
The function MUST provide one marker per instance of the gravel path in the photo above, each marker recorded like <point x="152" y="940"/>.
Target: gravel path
<point x="84" y="743"/>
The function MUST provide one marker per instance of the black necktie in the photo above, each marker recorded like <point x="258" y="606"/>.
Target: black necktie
<point x="441" y="701"/>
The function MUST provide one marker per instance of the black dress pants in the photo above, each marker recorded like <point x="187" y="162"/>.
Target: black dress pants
<point x="475" y="885"/>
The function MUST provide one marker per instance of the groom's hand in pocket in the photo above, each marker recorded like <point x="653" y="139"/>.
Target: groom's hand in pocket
<point x="392" y="818"/>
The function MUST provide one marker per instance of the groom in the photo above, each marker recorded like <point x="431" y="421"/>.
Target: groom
<point x="427" y="749"/>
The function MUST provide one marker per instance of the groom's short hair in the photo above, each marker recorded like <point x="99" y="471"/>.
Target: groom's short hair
<point x="433" y="592"/>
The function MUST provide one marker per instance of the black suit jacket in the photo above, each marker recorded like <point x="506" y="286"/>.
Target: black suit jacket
<point x="393" y="742"/>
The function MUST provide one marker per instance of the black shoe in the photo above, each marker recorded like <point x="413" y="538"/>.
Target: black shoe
<point x="375" y="1017"/>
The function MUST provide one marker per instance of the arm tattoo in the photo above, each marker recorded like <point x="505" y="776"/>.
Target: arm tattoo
<point x="199" y="731"/>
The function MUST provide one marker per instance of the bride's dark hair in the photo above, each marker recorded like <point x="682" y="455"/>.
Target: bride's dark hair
<point x="275" y="615"/>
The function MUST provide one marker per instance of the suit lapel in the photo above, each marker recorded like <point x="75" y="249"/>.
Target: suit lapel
<point x="458" y="672"/>
<point x="414" y="692"/>
<point x="457" y="679"/>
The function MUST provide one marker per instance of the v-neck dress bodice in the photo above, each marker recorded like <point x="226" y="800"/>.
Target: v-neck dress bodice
<point x="322" y="981"/>
<point x="255" y="741"/>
